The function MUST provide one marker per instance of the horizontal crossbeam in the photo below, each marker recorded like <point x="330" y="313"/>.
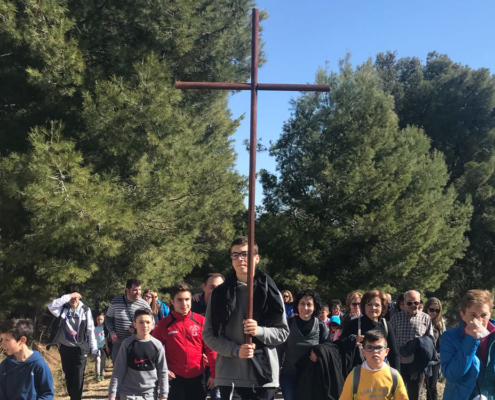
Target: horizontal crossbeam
<point x="248" y="86"/>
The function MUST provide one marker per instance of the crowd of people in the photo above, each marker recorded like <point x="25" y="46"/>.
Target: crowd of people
<point x="378" y="349"/>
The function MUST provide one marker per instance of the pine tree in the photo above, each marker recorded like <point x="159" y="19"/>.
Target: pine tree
<point x="358" y="201"/>
<point x="455" y="105"/>
<point x="108" y="171"/>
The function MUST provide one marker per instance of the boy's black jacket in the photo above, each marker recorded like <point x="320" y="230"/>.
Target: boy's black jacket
<point x="267" y="306"/>
<point x="267" y="303"/>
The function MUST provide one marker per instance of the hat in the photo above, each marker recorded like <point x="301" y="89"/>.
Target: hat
<point x="407" y="351"/>
<point x="335" y="319"/>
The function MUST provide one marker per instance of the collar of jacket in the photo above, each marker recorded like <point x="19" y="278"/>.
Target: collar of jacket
<point x="267" y="302"/>
<point x="180" y="317"/>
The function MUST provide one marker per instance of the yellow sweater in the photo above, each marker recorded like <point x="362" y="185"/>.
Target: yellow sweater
<point x="374" y="385"/>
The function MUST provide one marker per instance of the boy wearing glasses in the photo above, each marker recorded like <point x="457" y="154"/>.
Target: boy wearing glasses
<point x="374" y="379"/>
<point x="246" y="371"/>
<point x="408" y="325"/>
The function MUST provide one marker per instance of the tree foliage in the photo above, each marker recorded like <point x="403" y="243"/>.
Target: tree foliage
<point x="359" y="202"/>
<point x="455" y="105"/>
<point x="107" y="170"/>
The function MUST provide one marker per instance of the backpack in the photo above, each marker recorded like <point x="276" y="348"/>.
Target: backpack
<point x="356" y="375"/>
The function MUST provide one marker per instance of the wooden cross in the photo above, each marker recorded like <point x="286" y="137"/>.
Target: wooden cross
<point x="254" y="86"/>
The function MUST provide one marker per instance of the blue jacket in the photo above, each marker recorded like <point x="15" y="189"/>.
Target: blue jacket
<point x="28" y="380"/>
<point x="460" y="364"/>
<point x="164" y="308"/>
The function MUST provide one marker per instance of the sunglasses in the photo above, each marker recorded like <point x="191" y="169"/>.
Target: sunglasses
<point x="355" y="304"/>
<point x="416" y="303"/>
<point x="435" y="310"/>
<point x="285" y="296"/>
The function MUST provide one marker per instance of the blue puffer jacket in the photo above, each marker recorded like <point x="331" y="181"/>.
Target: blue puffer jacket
<point x="460" y="364"/>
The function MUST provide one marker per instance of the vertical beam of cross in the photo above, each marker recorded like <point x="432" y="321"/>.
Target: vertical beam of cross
<point x="254" y="86"/>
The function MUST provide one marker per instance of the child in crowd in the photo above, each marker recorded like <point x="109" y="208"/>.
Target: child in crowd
<point x="323" y="317"/>
<point x="140" y="364"/>
<point x="24" y="374"/>
<point x="374" y="379"/>
<point x="336" y="307"/>
<point x="335" y="328"/>
<point x="101" y="342"/>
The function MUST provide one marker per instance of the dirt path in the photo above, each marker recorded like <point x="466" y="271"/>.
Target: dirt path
<point x="92" y="389"/>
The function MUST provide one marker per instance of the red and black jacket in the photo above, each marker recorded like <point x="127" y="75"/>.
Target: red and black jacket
<point x="182" y="337"/>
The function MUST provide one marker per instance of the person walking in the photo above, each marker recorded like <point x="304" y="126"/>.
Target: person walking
<point x="73" y="332"/>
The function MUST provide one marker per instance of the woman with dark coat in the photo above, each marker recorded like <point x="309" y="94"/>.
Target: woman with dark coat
<point x="373" y="307"/>
<point x="305" y="331"/>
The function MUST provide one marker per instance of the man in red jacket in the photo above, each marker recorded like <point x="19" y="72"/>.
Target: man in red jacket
<point x="181" y="332"/>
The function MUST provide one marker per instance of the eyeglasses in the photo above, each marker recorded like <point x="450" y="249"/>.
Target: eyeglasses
<point x="416" y="303"/>
<point x="235" y="256"/>
<point x="356" y="304"/>
<point x="371" y="349"/>
<point x="435" y="310"/>
<point x="286" y="296"/>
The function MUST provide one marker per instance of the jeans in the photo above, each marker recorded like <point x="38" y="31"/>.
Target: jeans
<point x="136" y="397"/>
<point x="187" y="389"/>
<point x="413" y="386"/>
<point x="288" y="384"/>
<point x="73" y="365"/>
<point x="115" y="352"/>
<point x="100" y="362"/>
<point x="431" y="383"/>
<point x="243" y="393"/>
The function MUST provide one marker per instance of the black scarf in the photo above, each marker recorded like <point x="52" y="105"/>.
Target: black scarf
<point x="267" y="304"/>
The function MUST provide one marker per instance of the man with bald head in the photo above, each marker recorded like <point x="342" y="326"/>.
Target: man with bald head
<point x="410" y="324"/>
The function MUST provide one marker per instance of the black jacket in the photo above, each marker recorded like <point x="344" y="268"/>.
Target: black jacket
<point x="425" y="355"/>
<point x="323" y="379"/>
<point x="267" y="304"/>
<point x="368" y="325"/>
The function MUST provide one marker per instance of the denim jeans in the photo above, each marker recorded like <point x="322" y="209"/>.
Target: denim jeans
<point x="288" y="384"/>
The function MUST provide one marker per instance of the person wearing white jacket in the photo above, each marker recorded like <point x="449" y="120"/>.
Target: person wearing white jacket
<point x="73" y="333"/>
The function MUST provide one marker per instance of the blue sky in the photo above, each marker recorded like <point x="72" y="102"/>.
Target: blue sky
<point x="301" y="36"/>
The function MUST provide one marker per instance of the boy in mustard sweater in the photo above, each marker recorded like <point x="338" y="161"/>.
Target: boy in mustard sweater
<point x="374" y="379"/>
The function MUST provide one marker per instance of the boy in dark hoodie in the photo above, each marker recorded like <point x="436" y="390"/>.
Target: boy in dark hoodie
<point x="24" y="374"/>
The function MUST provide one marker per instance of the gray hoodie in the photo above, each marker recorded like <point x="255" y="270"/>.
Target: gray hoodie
<point x="230" y="369"/>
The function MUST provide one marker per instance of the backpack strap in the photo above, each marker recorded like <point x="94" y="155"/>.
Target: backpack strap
<point x="356" y="375"/>
<point x="383" y="321"/>
<point x="395" y="381"/>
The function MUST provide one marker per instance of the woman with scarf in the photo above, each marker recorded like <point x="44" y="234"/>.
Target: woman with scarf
<point x="353" y="302"/>
<point x="373" y="307"/>
<point x="305" y="331"/>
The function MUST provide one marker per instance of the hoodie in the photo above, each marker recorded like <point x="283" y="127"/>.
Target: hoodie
<point x="27" y="380"/>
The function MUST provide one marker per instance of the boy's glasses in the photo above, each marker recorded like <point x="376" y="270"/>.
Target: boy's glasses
<point x="371" y="349"/>
<point x="416" y="303"/>
<point x="434" y="310"/>
<point x="235" y="256"/>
